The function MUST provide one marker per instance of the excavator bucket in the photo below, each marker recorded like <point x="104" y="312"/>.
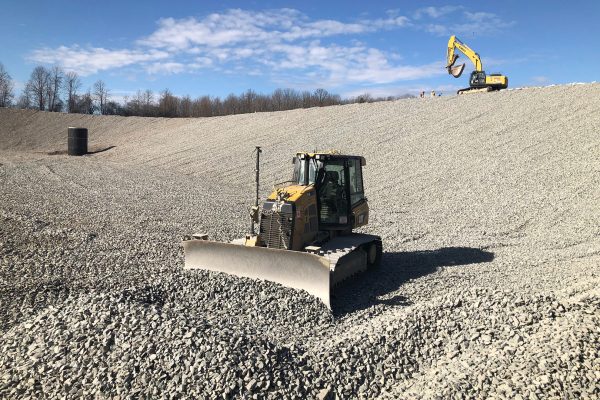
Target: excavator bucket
<point x="293" y="269"/>
<point x="453" y="70"/>
<point x="456" y="70"/>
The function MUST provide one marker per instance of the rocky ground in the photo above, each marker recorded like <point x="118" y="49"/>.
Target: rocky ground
<point x="488" y="209"/>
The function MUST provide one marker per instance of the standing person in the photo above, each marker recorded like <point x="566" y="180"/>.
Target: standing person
<point x="433" y="93"/>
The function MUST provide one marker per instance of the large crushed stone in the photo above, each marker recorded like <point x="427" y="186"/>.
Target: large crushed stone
<point x="488" y="286"/>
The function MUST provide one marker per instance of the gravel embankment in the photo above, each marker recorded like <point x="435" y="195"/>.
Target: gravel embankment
<point x="487" y="205"/>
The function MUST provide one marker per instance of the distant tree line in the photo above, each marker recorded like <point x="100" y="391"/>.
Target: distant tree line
<point x="52" y="89"/>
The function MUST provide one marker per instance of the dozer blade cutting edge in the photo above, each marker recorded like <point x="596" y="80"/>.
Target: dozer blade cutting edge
<point x="293" y="269"/>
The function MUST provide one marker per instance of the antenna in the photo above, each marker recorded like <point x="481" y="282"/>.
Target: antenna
<point x="255" y="208"/>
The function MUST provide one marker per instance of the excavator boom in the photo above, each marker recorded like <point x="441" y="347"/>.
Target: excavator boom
<point x="451" y="57"/>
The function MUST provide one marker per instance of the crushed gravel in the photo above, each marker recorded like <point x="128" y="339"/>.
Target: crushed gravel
<point x="488" y="210"/>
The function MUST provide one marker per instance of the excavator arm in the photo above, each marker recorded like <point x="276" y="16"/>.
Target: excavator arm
<point x="456" y="71"/>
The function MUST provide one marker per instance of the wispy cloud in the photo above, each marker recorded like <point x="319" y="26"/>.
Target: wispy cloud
<point x="239" y="26"/>
<point x="540" y="80"/>
<point x="283" y="42"/>
<point x="91" y="60"/>
<point x="435" y="12"/>
<point x="480" y="23"/>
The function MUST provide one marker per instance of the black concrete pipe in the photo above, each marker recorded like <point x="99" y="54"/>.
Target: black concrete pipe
<point x="78" y="141"/>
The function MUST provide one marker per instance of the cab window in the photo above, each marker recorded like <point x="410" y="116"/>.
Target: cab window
<point x="356" y="183"/>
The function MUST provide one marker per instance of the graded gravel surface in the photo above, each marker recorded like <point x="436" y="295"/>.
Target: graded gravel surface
<point x="488" y="206"/>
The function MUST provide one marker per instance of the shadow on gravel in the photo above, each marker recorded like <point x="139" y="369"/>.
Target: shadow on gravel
<point x="363" y="291"/>
<point x="101" y="150"/>
<point x="94" y="150"/>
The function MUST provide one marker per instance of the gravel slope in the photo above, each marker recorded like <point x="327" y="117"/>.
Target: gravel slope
<point x="487" y="205"/>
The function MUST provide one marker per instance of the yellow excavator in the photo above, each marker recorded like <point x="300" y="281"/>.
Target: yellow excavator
<point x="305" y="236"/>
<point x="479" y="80"/>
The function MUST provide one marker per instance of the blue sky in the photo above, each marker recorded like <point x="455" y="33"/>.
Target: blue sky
<point x="220" y="47"/>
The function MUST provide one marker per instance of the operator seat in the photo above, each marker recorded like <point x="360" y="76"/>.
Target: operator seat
<point x="330" y="195"/>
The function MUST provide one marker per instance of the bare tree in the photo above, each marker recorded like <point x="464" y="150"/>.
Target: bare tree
<point x="55" y="78"/>
<point x="101" y="95"/>
<point x="307" y="99"/>
<point x="216" y="106"/>
<point x="113" y="108"/>
<point x="85" y="104"/>
<point x="26" y="99"/>
<point x="277" y="100"/>
<point x="263" y="103"/>
<point x="134" y="106"/>
<point x="71" y="85"/>
<point x="6" y="88"/>
<point x="37" y="87"/>
<point x="248" y="101"/>
<point x="321" y="96"/>
<point x="365" y="98"/>
<point x="148" y="103"/>
<point x="168" y="104"/>
<point x="185" y="107"/>
<point x="291" y="99"/>
<point x="231" y="105"/>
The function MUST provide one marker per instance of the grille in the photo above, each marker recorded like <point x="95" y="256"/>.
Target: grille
<point x="276" y="229"/>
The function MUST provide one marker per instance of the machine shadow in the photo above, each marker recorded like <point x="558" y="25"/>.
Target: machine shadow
<point x="364" y="290"/>
<point x="96" y="151"/>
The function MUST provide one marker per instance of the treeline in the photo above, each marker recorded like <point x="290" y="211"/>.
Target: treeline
<point x="52" y="89"/>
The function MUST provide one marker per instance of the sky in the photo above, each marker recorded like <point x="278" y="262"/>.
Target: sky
<point x="347" y="47"/>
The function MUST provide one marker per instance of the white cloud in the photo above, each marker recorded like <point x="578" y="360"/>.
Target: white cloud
<point x="540" y="80"/>
<point x="241" y="26"/>
<point x="479" y="23"/>
<point x="278" y="43"/>
<point x="435" y="12"/>
<point x="391" y="22"/>
<point x="87" y="61"/>
<point x="166" y="67"/>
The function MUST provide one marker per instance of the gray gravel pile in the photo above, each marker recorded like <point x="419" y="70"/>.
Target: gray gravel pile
<point x="475" y="344"/>
<point x="136" y="344"/>
<point x="488" y="286"/>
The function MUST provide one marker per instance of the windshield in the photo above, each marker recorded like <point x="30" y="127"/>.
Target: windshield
<point x="305" y="171"/>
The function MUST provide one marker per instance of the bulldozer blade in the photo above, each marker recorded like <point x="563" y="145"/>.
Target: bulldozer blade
<point x="457" y="70"/>
<point x="293" y="269"/>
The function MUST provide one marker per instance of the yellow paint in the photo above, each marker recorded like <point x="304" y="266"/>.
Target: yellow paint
<point x="454" y="43"/>
<point x="496" y="81"/>
<point x="251" y="241"/>
<point x="361" y="214"/>
<point x="290" y="193"/>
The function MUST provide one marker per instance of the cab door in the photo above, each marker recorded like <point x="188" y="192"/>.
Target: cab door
<point x="333" y="195"/>
<point x="358" y="202"/>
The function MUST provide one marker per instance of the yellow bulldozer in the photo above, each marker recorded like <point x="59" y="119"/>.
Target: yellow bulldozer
<point x="305" y="237"/>
<point x="479" y="81"/>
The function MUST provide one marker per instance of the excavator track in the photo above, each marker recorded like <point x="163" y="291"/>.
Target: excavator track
<point x="475" y="90"/>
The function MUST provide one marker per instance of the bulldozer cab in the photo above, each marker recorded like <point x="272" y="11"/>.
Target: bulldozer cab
<point x="338" y="184"/>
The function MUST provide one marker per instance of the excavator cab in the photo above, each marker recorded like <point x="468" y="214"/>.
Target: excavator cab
<point x="478" y="79"/>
